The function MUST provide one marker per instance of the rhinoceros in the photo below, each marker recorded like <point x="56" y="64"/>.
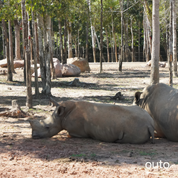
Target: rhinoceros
<point x="104" y="122"/>
<point x="161" y="102"/>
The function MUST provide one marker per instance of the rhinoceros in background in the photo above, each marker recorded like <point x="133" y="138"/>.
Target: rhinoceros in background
<point x="161" y="102"/>
<point x="105" y="122"/>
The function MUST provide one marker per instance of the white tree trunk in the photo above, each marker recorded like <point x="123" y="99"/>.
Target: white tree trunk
<point x="155" y="43"/>
<point x="70" y="55"/>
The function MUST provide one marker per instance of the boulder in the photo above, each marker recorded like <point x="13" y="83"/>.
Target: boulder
<point x="79" y="62"/>
<point x="69" y="70"/>
<point x="58" y="68"/>
<point x="17" y="63"/>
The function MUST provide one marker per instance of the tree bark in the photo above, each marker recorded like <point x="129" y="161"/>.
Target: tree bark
<point x="70" y="55"/>
<point x="86" y="54"/>
<point x="9" y="75"/>
<point x="170" y="44"/>
<point x="131" y="28"/>
<point x="34" y="32"/>
<point x="65" y="41"/>
<point x="24" y="33"/>
<point x="17" y="40"/>
<point x="139" y="41"/>
<point x="61" y="43"/>
<point x="78" y="45"/>
<point x="41" y="53"/>
<point x="155" y="44"/>
<point x="108" y="57"/>
<point x="101" y="36"/>
<point x="174" y="39"/>
<point x="121" y="58"/>
<point x="11" y="57"/>
<point x="48" y="49"/>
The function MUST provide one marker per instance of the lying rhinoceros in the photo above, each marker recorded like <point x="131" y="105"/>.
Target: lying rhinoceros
<point x="161" y="102"/>
<point x="105" y="122"/>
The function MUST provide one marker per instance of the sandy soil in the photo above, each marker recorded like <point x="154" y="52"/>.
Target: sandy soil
<point x="61" y="156"/>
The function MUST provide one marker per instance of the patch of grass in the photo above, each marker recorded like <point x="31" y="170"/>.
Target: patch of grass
<point x="143" y="153"/>
<point x="93" y="155"/>
<point x="78" y="155"/>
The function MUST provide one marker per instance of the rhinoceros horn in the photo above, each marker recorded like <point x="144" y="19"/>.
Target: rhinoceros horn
<point x="53" y="101"/>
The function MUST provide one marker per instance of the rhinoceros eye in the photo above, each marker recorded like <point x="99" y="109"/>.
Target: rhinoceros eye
<point x="47" y="127"/>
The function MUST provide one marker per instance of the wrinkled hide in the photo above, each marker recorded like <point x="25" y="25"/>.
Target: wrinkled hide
<point x="105" y="122"/>
<point x="161" y="102"/>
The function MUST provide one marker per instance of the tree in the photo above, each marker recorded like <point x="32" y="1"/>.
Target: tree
<point x="170" y="43"/>
<point x="174" y="39"/>
<point x="101" y="36"/>
<point x="9" y="75"/>
<point x="121" y="58"/>
<point x="155" y="43"/>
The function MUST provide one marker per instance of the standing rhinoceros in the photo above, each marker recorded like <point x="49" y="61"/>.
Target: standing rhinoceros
<point x="105" y="122"/>
<point x="161" y="102"/>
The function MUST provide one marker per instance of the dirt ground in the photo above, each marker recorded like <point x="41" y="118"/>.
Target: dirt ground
<point x="61" y="156"/>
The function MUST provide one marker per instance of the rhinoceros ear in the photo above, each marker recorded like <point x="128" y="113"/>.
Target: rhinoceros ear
<point x="60" y="110"/>
<point x="137" y="96"/>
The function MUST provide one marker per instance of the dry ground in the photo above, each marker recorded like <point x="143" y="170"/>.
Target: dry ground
<point x="60" y="156"/>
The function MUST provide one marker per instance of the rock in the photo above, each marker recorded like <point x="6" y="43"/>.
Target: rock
<point x="57" y="67"/>
<point x="17" y="63"/>
<point x="70" y="70"/>
<point x="79" y="62"/>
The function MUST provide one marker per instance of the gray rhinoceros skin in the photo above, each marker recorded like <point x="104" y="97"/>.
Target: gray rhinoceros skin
<point x="161" y="102"/>
<point x="105" y="122"/>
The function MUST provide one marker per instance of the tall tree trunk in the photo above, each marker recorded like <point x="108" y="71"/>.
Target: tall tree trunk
<point x="41" y="53"/>
<point x="114" y="38"/>
<point x="92" y="33"/>
<point x="108" y="57"/>
<point x="24" y="30"/>
<point x="65" y="41"/>
<point x="76" y="51"/>
<point x="86" y="54"/>
<point x="126" y="39"/>
<point x="132" y="46"/>
<point x="11" y="57"/>
<point x="34" y="32"/>
<point x="48" y="49"/>
<point x="61" y="43"/>
<point x="139" y="41"/>
<point x="78" y="45"/>
<point x="3" y="43"/>
<point x="112" y="51"/>
<point x="174" y="39"/>
<point x="29" y="37"/>
<point x="70" y="55"/>
<point x="9" y="75"/>
<point x="51" y="44"/>
<point x="170" y="44"/>
<point x="101" y="36"/>
<point x="121" y="58"/>
<point x="144" y="38"/>
<point x="155" y="43"/>
<point x="17" y="40"/>
<point x="27" y="56"/>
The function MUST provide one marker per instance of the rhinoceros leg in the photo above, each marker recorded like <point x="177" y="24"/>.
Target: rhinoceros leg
<point x="151" y="132"/>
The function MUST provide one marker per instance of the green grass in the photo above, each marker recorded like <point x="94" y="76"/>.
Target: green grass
<point x="143" y="153"/>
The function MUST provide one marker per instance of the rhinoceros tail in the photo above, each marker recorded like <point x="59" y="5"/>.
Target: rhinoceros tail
<point x="151" y="132"/>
